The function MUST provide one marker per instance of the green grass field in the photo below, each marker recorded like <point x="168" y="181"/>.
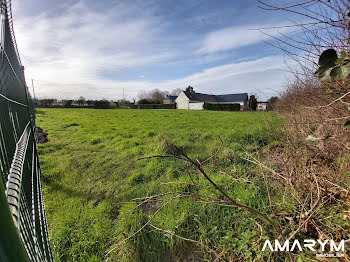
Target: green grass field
<point x="91" y="174"/>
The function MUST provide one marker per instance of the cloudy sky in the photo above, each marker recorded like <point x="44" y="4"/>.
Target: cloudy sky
<point x="96" y="49"/>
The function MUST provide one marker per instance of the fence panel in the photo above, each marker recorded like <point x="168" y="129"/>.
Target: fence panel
<point x="25" y="236"/>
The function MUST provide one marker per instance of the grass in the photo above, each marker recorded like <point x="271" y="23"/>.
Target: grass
<point x="91" y="174"/>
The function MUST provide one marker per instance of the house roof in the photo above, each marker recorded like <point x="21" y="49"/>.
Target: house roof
<point x="171" y="97"/>
<point x="200" y="97"/>
<point x="217" y="98"/>
<point x="232" y="97"/>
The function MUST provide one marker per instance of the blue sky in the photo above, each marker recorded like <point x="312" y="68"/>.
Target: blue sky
<point x="96" y="49"/>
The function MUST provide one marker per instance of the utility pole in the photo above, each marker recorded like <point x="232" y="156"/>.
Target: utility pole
<point x="123" y="94"/>
<point x="33" y="88"/>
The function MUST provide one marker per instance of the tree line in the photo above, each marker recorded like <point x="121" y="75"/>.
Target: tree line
<point x="152" y="97"/>
<point x="82" y="102"/>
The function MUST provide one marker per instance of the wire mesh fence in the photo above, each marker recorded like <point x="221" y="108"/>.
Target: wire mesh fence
<point x="24" y="236"/>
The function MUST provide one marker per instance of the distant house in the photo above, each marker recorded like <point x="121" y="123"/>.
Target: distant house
<point x="261" y="106"/>
<point x="195" y="101"/>
<point x="169" y="100"/>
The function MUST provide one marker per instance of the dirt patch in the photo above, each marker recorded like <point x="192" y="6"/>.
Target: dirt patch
<point x="151" y="206"/>
<point x="41" y="135"/>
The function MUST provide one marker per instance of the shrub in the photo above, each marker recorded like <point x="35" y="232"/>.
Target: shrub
<point x="102" y="104"/>
<point x="153" y="106"/>
<point x="145" y="101"/>
<point x="67" y="103"/>
<point x="222" y="107"/>
<point x="312" y="158"/>
<point x="252" y="103"/>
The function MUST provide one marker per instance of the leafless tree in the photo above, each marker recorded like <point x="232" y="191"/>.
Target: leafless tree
<point x="176" y="91"/>
<point x="315" y="25"/>
<point x="81" y="100"/>
<point x="155" y="95"/>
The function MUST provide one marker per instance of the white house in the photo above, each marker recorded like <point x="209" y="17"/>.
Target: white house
<point x="262" y="106"/>
<point x="195" y="101"/>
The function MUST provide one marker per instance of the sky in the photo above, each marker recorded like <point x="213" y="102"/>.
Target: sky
<point x="97" y="49"/>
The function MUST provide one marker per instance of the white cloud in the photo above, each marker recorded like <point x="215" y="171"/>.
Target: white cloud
<point x="250" y="76"/>
<point x="235" y="37"/>
<point x="80" y="45"/>
<point x="68" y="54"/>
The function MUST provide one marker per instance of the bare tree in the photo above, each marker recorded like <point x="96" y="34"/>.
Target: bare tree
<point x="176" y="91"/>
<point x="154" y="96"/>
<point x="326" y="26"/>
<point x="81" y="100"/>
<point x="157" y="95"/>
<point x="315" y="111"/>
<point x="143" y="94"/>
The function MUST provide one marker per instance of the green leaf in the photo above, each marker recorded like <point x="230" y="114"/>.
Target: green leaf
<point x="328" y="58"/>
<point x="347" y="124"/>
<point x="340" y="72"/>
<point x="343" y="56"/>
<point x="322" y="71"/>
<point x="326" y="74"/>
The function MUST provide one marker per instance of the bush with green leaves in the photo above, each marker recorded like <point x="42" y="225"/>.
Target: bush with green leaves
<point x="153" y="106"/>
<point x="222" y="107"/>
<point x="145" y="101"/>
<point x="102" y="104"/>
<point x="332" y="66"/>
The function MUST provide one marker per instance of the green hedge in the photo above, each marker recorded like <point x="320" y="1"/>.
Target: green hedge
<point x="154" y="106"/>
<point x="222" y="107"/>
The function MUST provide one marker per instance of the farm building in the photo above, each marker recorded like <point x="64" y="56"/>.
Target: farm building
<point x="169" y="100"/>
<point x="195" y="101"/>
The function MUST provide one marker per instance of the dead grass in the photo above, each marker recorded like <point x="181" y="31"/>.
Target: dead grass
<point x="308" y="172"/>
